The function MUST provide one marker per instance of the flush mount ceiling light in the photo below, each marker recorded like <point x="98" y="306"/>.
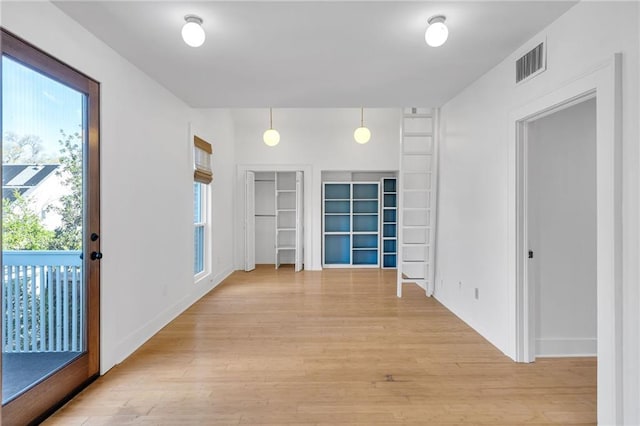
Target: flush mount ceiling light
<point x="192" y="32"/>
<point x="362" y="134"/>
<point x="271" y="137"/>
<point x="437" y="31"/>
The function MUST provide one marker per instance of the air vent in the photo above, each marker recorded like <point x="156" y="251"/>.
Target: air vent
<point x="531" y="63"/>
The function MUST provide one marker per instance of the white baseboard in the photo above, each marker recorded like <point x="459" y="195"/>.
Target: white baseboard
<point x="566" y="347"/>
<point x="138" y="337"/>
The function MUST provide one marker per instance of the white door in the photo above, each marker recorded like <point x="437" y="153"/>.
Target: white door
<point x="250" y="222"/>
<point x="299" y="223"/>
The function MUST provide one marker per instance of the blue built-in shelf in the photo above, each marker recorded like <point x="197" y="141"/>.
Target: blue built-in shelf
<point x="365" y="257"/>
<point x="389" y="185"/>
<point x="333" y="206"/>
<point x="351" y="224"/>
<point x="389" y="222"/>
<point x="389" y="246"/>
<point x="389" y="230"/>
<point x="368" y="206"/>
<point x="364" y="191"/>
<point x="389" y="261"/>
<point x="337" y="191"/>
<point x="337" y="223"/>
<point x="365" y="223"/>
<point x="337" y="249"/>
<point x="390" y="200"/>
<point x="389" y="215"/>
<point x="365" y="241"/>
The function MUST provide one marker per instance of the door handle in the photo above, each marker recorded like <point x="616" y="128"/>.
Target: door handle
<point x="96" y="255"/>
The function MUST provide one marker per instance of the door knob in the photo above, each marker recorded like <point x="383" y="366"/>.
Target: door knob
<point x="96" y="255"/>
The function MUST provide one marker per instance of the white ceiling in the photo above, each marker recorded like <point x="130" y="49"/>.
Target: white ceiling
<point x="314" y="53"/>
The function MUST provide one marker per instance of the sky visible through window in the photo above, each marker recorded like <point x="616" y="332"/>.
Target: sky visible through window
<point x="34" y="104"/>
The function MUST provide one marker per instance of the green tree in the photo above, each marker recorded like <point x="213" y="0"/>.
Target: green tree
<point x="68" y="236"/>
<point x="22" y="228"/>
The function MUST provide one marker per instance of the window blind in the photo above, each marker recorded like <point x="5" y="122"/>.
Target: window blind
<point x="202" y="160"/>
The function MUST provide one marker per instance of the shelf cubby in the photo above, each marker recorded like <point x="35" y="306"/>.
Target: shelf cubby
<point x="389" y="222"/>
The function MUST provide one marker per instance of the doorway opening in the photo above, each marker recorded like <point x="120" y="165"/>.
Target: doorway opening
<point x="274" y="225"/>
<point x="560" y="199"/>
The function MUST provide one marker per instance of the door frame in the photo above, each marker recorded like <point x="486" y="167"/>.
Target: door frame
<point x="240" y="195"/>
<point x="603" y="83"/>
<point x="249" y="218"/>
<point x="51" y="393"/>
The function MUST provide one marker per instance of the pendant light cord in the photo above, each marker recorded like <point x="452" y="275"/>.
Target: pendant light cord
<point x="270" y="118"/>
<point x="362" y="117"/>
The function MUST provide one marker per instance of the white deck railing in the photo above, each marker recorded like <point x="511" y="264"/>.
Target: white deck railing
<point x="43" y="301"/>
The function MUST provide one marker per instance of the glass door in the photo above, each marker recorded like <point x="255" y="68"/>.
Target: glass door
<point x="50" y="231"/>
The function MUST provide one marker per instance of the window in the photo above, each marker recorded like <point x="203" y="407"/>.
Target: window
<point x="203" y="176"/>
<point x="200" y="224"/>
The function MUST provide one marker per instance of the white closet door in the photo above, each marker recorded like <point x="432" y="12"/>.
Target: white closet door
<point x="250" y="222"/>
<point x="299" y="223"/>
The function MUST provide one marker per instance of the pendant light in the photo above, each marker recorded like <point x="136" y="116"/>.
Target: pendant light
<point x="271" y="137"/>
<point x="192" y="32"/>
<point x="437" y="32"/>
<point x="362" y="134"/>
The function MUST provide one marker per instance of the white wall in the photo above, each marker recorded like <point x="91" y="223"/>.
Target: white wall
<point x="321" y="139"/>
<point x="562" y="229"/>
<point x="146" y="229"/>
<point x="473" y="236"/>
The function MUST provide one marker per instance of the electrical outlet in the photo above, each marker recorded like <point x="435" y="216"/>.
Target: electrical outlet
<point x="477" y="293"/>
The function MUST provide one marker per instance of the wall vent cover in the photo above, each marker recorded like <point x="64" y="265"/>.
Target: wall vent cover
<point x="531" y="63"/>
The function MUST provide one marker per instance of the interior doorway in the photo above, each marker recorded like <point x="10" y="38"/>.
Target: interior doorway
<point x="604" y="84"/>
<point x="561" y="230"/>
<point x="274" y="225"/>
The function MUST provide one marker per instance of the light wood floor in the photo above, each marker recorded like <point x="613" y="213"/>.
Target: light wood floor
<point x="329" y="348"/>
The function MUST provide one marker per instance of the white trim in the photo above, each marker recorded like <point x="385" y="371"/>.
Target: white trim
<point x="605" y="81"/>
<point x="138" y="337"/>
<point x="566" y="347"/>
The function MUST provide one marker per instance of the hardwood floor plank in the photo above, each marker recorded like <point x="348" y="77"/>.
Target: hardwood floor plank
<point x="273" y="347"/>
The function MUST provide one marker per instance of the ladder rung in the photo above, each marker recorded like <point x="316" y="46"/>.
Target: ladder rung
<point x="410" y="154"/>
<point x="405" y="115"/>
<point x="416" y="134"/>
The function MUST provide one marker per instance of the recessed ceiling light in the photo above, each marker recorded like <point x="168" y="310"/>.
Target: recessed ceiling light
<point x="192" y="32"/>
<point x="437" y="32"/>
